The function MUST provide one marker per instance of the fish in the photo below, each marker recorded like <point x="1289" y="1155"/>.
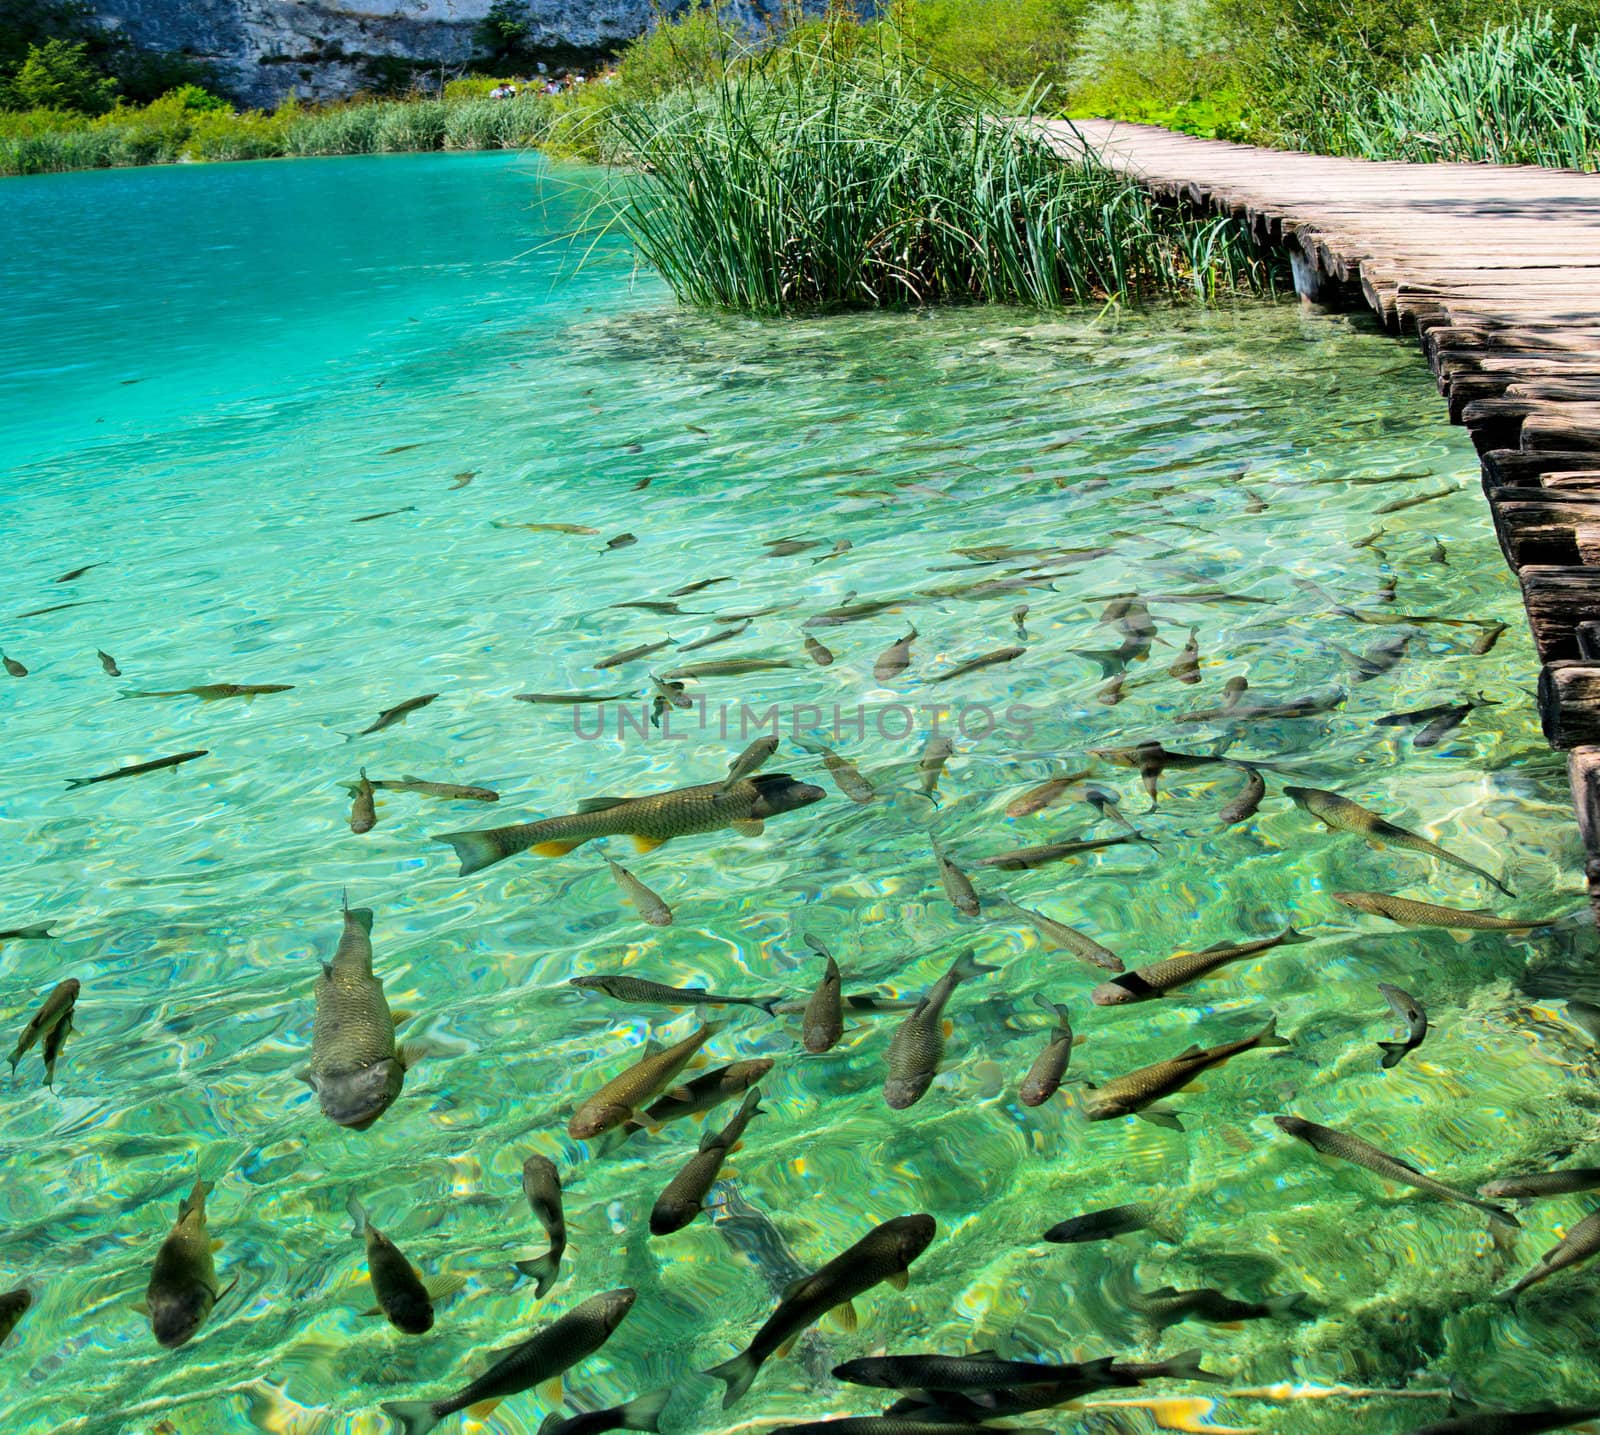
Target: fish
<point x="12" y="666"/>
<point x="935" y="753"/>
<point x="697" y="586"/>
<point x="1586" y="1016"/>
<point x="1159" y="979"/>
<point x="647" y="993"/>
<point x="1579" y="1244"/>
<point x="536" y="1361"/>
<point x="630" y="655"/>
<point x="957" y="886"/>
<point x="400" y="448"/>
<point x="1187" y="667"/>
<point x="1166" y="1306"/>
<point x="752" y="613"/>
<point x="981" y="1370"/>
<point x="1022" y="858"/>
<point x="1137" y="1092"/>
<point x="1046" y="794"/>
<point x="711" y="638"/>
<point x="356" y="1069"/>
<point x="388" y="512"/>
<point x="39" y="932"/>
<point x="641" y="1413"/>
<point x="450" y="791"/>
<point x="849" y="612"/>
<point x="1050" y="1066"/>
<point x="646" y="903"/>
<point x="651" y="605"/>
<point x="822" y="1022"/>
<point x="541" y="1184"/>
<point x="841" y="547"/>
<point x="398" y="713"/>
<point x="1380" y="658"/>
<point x="1251" y="795"/>
<point x="156" y="765"/>
<point x="730" y="668"/>
<point x="54" y="1040"/>
<point x="786" y="547"/>
<point x="54" y="1011"/>
<point x="1510" y="1422"/>
<point x="461" y="480"/>
<point x="1065" y="938"/>
<point x="1342" y="815"/>
<point x="1486" y="639"/>
<point x="1437" y="722"/>
<point x="972" y="665"/>
<point x="363" y="807"/>
<point x="819" y="653"/>
<point x="917" y="1047"/>
<point x="846" y="775"/>
<point x="685" y="1194"/>
<point x="1409" y="1010"/>
<point x="884" y="1254"/>
<point x="1535" y="1184"/>
<point x="621" y="1098"/>
<point x="564" y="699"/>
<point x="1151" y="759"/>
<point x="1019" y="620"/>
<point x="1347" y="1147"/>
<point x="859" y="1003"/>
<point x="1408" y="912"/>
<point x="108" y="664"/>
<point x="1183" y="1366"/>
<point x="213" y="692"/>
<point x="76" y="573"/>
<point x="1437" y="553"/>
<point x="54" y="608"/>
<point x="1312" y="705"/>
<point x="749" y="762"/>
<point x="1234" y="689"/>
<point x="183" y="1281"/>
<point x="705" y="1093"/>
<point x="1117" y="1221"/>
<point x="581" y="529"/>
<point x="403" y="1297"/>
<point x="13" y="1306"/>
<point x="934" y="1424"/>
<point x="622" y="540"/>
<point x="1397" y="505"/>
<point x="650" y="821"/>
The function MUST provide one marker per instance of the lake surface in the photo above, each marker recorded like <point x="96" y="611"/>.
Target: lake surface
<point x="212" y="373"/>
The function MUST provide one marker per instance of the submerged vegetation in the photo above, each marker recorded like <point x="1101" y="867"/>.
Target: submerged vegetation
<point x="864" y="181"/>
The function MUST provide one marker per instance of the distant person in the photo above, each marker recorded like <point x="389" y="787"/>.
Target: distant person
<point x="503" y="92"/>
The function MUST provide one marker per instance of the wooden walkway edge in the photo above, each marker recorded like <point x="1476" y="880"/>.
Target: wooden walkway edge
<point x="1496" y="270"/>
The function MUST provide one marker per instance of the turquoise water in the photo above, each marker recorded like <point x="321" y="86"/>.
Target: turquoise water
<point x="210" y="372"/>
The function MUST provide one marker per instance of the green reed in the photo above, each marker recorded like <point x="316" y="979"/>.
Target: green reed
<point x="1522" y="93"/>
<point x="813" y="183"/>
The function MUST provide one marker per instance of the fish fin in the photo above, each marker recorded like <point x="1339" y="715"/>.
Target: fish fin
<point x="1185" y="1054"/>
<point x="1168" y="1119"/>
<point x="411" y="1417"/>
<point x="409" y="1054"/>
<point x="141" y="1306"/>
<point x="1185" y="1365"/>
<point x="484" y="1408"/>
<point x="217" y="1243"/>
<point x="358" y="1214"/>
<point x="1161" y="1292"/>
<point x="795" y="1287"/>
<point x="370" y="1311"/>
<point x="556" y="847"/>
<point x="737" y="1374"/>
<point x="474" y="850"/>
<point x="948" y="1027"/>
<point x="786" y="1347"/>
<point x="600" y="804"/>
<point x="1295" y="1305"/>
<point x="1393" y="1053"/>
<point x="304" y="1074"/>
<point x="542" y="1271"/>
<point x="844" y="1316"/>
<point x="442" y="1287"/>
<point x="900" y="1280"/>
<point x="1268" y="1035"/>
<point x="643" y="1411"/>
<point x="643" y="844"/>
<point x="401" y="1017"/>
<point x="748" y="826"/>
<point x="552" y="1391"/>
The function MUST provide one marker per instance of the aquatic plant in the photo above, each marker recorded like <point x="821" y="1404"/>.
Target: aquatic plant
<point x="808" y="184"/>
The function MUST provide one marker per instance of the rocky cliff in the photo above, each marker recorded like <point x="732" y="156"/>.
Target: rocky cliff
<point x="264" y="50"/>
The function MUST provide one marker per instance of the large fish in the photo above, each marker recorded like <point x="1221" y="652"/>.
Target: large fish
<point x="846" y="775"/>
<point x="1510" y="1422"/>
<point x="1160" y="978"/>
<point x="1409" y="1010"/>
<point x="641" y="1413"/>
<point x="884" y="1254"/>
<point x="650" y="821"/>
<point x="13" y="1306"/>
<point x="1117" y="1221"/>
<point x="404" y="1298"/>
<point x="1048" y="792"/>
<point x="537" y="1361"/>
<point x="398" y="713"/>
<point x="1342" y="815"/>
<point x="917" y="1047"/>
<point x="621" y="1098"/>
<point x="822" y="1022"/>
<point x="685" y="1194"/>
<point x="1151" y="759"/>
<point x="1066" y="938"/>
<point x="55" y="1011"/>
<point x="705" y="1093"/>
<point x="1021" y="858"/>
<point x="1535" y="1184"/>
<point x="1345" y="1147"/>
<point x="981" y="1371"/>
<point x="957" y="886"/>
<point x="450" y="791"/>
<point x="894" y="659"/>
<point x="1311" y="705"/>
<point x="1050" y="1066"/>
<point x="972" y="665"/>
<point x="356" y="1069"/>
<point x="155" y="765"/>
<point x="183" y="1281"/>
<point x="749" y="762"/>
<point x="1580" y="1244"/>
<point x="363" y="805"/>
<point x="1410" y="913"/>
<point x="1167" y="1306"/>
<point x="1135" y="1093"/>
<point x="622" y="988"/>
<point x="214" y="692"/>
<point x="541" y="1184"/>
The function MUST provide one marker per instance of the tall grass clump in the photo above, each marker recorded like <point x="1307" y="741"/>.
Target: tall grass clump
<point x="871" y="182"/>
<point x="1523" y="93"/>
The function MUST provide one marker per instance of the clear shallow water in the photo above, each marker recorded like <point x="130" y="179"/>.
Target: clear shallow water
<point x="277" y="396"/>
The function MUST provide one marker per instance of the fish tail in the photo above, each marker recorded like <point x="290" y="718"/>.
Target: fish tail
<point x="1497" y="1214"/>
<point x="411" y="1417"/>
<point x="73" y="782"/>
<point x="1185" y="1365"/>
<point x="769" y="1005"/>
<point x="358" y="1214"/>
<point x="1293" y="937"/>
<point x="1268" y="1035"/>
<point x="35" y="933"/>
<point x="968" y="966"/>
<point x="738" y="1374"/>
<point x="643" y="1411"/>
<point x="541" y="1271"/>
<point x="1295" y="1305"/>
<point x="1393" y="1053"/>
<point x="476" y="850"/>
<point x="1111" y="660"/>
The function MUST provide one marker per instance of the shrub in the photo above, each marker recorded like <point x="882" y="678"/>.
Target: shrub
<point x="58" y="75"/>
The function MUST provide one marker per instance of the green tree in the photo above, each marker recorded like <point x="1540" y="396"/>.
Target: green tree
<point x="58" y="75"/>
<point x="501" y="33"/>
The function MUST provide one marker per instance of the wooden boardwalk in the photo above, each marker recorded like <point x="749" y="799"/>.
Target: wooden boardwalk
<point x="1496" y="270"/>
